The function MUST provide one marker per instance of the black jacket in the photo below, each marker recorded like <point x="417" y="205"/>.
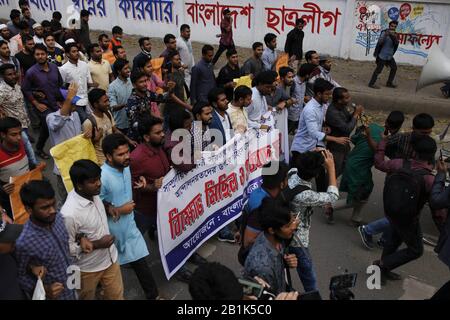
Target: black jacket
<point x="294" y="43"/>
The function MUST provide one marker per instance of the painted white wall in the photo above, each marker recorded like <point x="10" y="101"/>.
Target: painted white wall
<point x="435" y="20"/>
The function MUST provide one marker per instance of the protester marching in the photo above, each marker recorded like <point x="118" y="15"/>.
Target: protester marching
<point x="183" y="151"/>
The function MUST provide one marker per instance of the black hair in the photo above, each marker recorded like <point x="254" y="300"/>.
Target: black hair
<point x="214" y="281"/>
<point x="214" y="93"/>
<point x="146" y="123"/>
<point x="3" y="42"/>
<point x="91" y="48"/>
<point x="22" y="25"/>
<point x="46" y="24"/>
<point x="198" y="108"/>
<point x="95" y="95"/>
<point x="23" y="3"/>
<point x="231" y="52"/>
<point x="308" y="164"/>
<point x="84" y="13"/>
<point x="283" y="72"/>
<point x="117" y="30"/>
<point x="119" y="64"/>
<point x="34" y="190"/>
<point x="116" y="49"/>
<point x="27" y="38"/>
<point x="394" y="22"/>
<point x="14" y="14"/>
<point x="266" y="77"/>
<point x="306" y="69"/>
<point x="273" y="214"/>
<point x="177" y="118"/>
<point x="6" y="66"/>
<point x="256" y="45"/>
<point x="41" y="47"/>
<point x="424" y="147"/>
<point x="338" y="93"/>
<point x="308" y="54"/>
<point x="136" y="75"/>
<point x="69" y="47"/>
<point x="423" y="121"/>
<point x="168" y="37"/>
<point x="103" y="35"/>
<point x="395" y="120"/>
<point x="83" y="170"/>
<point x="57" y="15"/>
<point x="172" y="54"/>
<point x="299" y="21"/>
<point x="184" y="27"/>
<point x="272" y="181"/>
<point x="322" y="85"/>
<point x="268" y="38"/>
<point x="25" y="9"/>
<point x="141" y="62"/>
<point x="48" y="35"/>
<point x="226" y="11"/>
<point x="113" y="141"/>
<point x="206" y="48"/>
<point x="7" y="123"/>
<point x="242" y="92"/>
<point x="142" y="40"/>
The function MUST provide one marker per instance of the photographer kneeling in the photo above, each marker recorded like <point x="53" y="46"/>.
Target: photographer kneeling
<point x="214" y="281"/>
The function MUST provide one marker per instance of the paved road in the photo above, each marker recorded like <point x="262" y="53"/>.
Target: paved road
<point x="334" y="249"/>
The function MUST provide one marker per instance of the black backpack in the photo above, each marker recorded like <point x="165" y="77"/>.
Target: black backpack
<point x="404" y="194"/>
<point x="287" y="195"/>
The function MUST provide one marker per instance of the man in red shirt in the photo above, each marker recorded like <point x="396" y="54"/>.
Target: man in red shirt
<point x="226" y="36"/>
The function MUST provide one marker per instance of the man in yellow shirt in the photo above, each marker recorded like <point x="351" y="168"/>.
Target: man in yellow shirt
<point x="100" y="69"/>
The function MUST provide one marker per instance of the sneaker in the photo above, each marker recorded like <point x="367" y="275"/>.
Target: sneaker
<point x="229" y="237"/>
<point x="330" y="216"/>
<point x="197" y="259"/>
<point x="183" y="275"/>
<point x="380" y="243"/>
<point x="391" y="85"/>
<point x="374" y="86"/>
<point x="365" y="238"/>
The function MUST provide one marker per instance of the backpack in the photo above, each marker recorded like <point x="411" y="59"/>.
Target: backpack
<point x="404" y="194"/>
<point x="287" y="195"/>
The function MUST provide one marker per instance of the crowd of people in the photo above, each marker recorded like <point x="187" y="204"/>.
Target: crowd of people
<point x="61" y="84"/>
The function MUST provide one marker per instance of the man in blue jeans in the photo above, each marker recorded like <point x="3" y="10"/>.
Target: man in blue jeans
<point x="372" y="229"/>
<point x="308" y="166"/>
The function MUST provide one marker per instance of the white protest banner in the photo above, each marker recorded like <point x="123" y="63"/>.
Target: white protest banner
<point x="193" y="206"/>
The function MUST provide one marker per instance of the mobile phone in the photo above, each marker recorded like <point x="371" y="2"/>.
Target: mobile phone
<point x="252" y="288"/>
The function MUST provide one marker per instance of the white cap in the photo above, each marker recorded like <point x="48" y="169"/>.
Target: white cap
<point x="37" y="25"/>
<point x="69" y="41"/>
<point x="3" y="26"/>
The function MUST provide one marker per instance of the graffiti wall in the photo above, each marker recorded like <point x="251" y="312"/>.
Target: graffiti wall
<point x="420" y="27"/>
<point x="344" y="28"/>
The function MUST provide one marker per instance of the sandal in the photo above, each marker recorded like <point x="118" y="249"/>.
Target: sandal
<point x="41" y="154"/>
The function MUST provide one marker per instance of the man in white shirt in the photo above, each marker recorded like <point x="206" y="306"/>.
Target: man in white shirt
<point x="77" y="71"/>
<point x="38" y="30"/>
<point x="90" y="241"/>
<point x="265" y="84"/>
<point x="184" y="47"/>
<point x="237" y="109"/>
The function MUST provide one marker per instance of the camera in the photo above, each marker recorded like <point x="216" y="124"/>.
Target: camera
<point x="340" y="286"/>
